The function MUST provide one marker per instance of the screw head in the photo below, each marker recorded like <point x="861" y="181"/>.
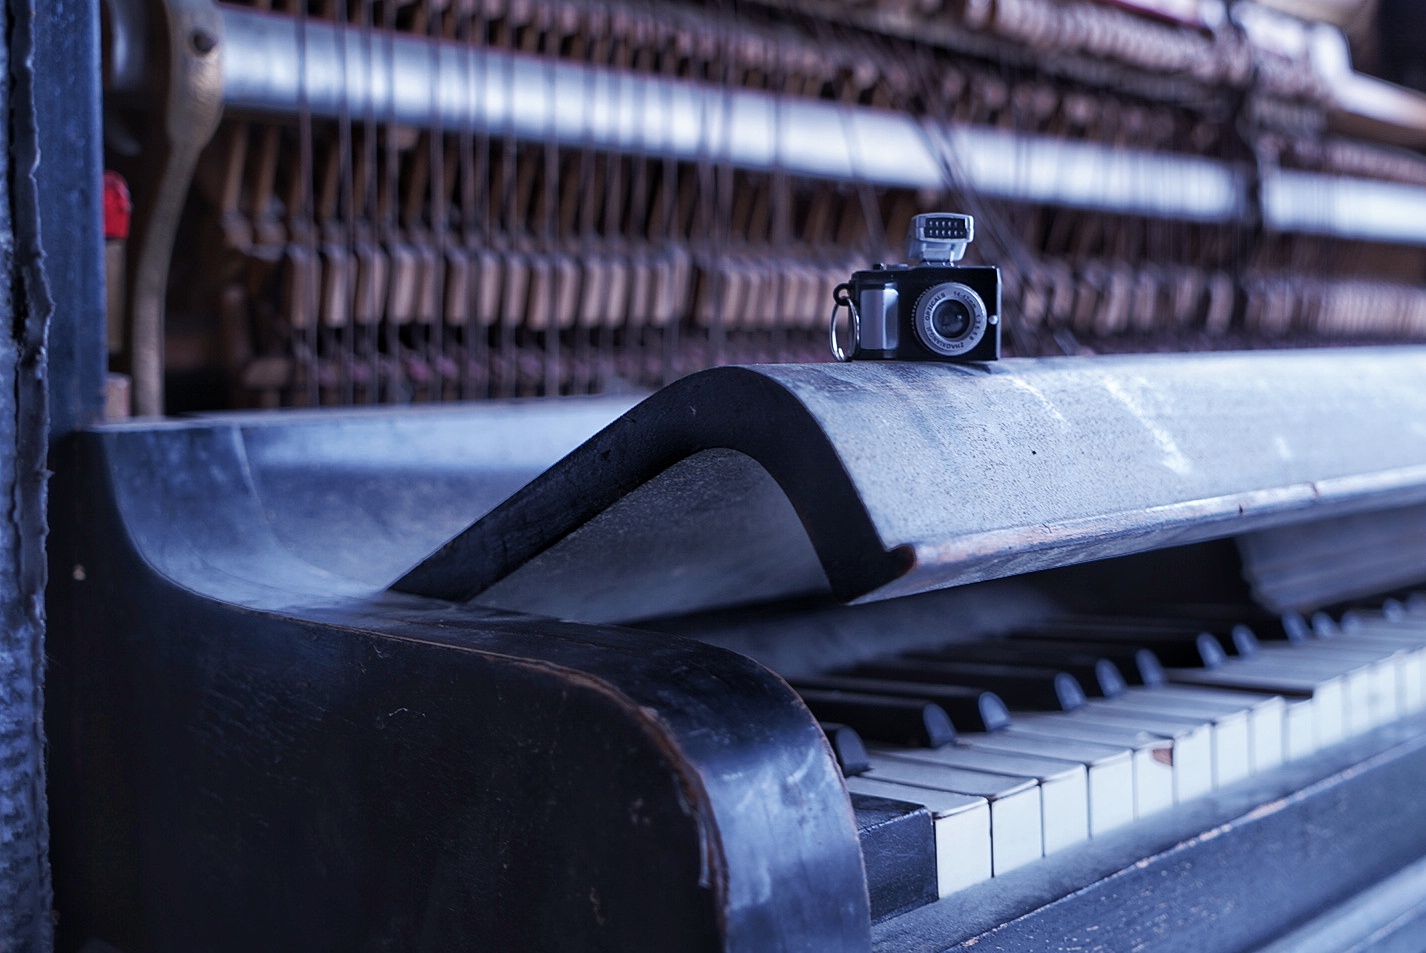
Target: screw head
<point x="203" y="42"/>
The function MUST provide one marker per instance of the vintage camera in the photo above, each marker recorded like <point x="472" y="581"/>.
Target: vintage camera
<point x="930" y="310"/>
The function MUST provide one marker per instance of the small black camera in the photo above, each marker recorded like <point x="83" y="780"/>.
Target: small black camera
<point x="929" y="310"/>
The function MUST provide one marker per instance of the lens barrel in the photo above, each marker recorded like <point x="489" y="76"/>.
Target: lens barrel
<point x="950" y="319"/>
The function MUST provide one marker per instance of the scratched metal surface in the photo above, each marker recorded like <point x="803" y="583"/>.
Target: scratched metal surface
<point x="911" y="477"/>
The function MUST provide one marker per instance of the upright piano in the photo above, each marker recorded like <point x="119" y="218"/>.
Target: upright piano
<point x="482" y="552"/>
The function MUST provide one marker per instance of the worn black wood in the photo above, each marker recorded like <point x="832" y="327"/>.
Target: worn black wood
<point x="900" y="851"/>
<point x="242" y="764"/>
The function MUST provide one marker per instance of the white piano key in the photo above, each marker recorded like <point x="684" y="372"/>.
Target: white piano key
<point x="1327" y="692"/>
<point x="1299" y="729"/>
<point x="1266" y="715"/>
<point x="1413" y="684"/>
<point x="1401" y="679"/>
<point x="1232" y="744"/>
<point x="1383" y="638"/>
<point x="1386" y="693"/>
<point x="1362" y="686"/>
<point x="1153" y="757"/>
<point x="1386" y="632"/>
<point x="961" y="824"/>
<point x="1015" y="813"/>
<point x="1064" y="789"/>
<point x="1109" y="771"/>
<point x="1413" y="665"/>
<point x="1359" y="687"/>
<point x="1383" y="663"/>
<point x="1192" y="745"/>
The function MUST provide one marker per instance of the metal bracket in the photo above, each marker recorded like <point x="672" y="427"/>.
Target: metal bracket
<point x="186" y="44"/>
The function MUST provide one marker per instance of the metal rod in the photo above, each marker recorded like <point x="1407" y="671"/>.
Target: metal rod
<point x="268" y="68"/>
<point x="265" y="71"/>
<point x="1364" y="209"/>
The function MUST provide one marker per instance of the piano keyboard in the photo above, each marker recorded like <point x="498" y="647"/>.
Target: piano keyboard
<point x="1083" y="753"/>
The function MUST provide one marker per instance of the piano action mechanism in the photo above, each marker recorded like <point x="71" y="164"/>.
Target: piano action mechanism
<point x="385" y="202"/>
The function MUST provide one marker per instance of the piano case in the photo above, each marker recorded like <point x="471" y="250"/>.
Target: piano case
<point x="380" y="680"/>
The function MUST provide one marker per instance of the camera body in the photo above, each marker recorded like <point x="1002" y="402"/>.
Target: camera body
<point x="931" y="311"/>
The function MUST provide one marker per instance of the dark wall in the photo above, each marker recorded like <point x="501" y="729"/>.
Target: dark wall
<point x="1401" y="25"/>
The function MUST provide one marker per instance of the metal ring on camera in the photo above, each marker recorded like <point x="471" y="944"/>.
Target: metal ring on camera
<point x="837" y="352"/>
<point x="923" y="315"/>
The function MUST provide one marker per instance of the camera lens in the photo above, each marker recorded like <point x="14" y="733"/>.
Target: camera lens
<point x="951" y="319"/>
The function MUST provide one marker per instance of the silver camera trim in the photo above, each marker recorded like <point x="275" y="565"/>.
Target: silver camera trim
<point x="937" y="343"/>
<point x="937" y="251"/>
<point x="882" y="331"/>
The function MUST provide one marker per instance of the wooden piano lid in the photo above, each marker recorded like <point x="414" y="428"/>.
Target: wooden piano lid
<point x="876" y="480"/>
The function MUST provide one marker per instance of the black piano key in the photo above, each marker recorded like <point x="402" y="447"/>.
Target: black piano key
<point x="1275" y="627"/>
<point x="1265" y="627"/>
<point x="1028" y="688"/>
<point x="1099" y="676"/>
<point x="1235" y="638"/>
<point x="1387" y="607"/>
<point x="1291" y="627"/>
<point x="917" y="723"/>
<point x="1324" y="626"/>
<point x="1352" y="618"/>
<point x="1234" y="635"/>
<point x="1137" y="666"/>
<point x="971" y="709"/>
<point x="1245" y="641"/>
<point x="1394" y="609"/>
<point x="848" y="747"/>
<point x="1176" y="650"/>
<point x="899" y="852"/>
<point x="1297" y="627"/>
